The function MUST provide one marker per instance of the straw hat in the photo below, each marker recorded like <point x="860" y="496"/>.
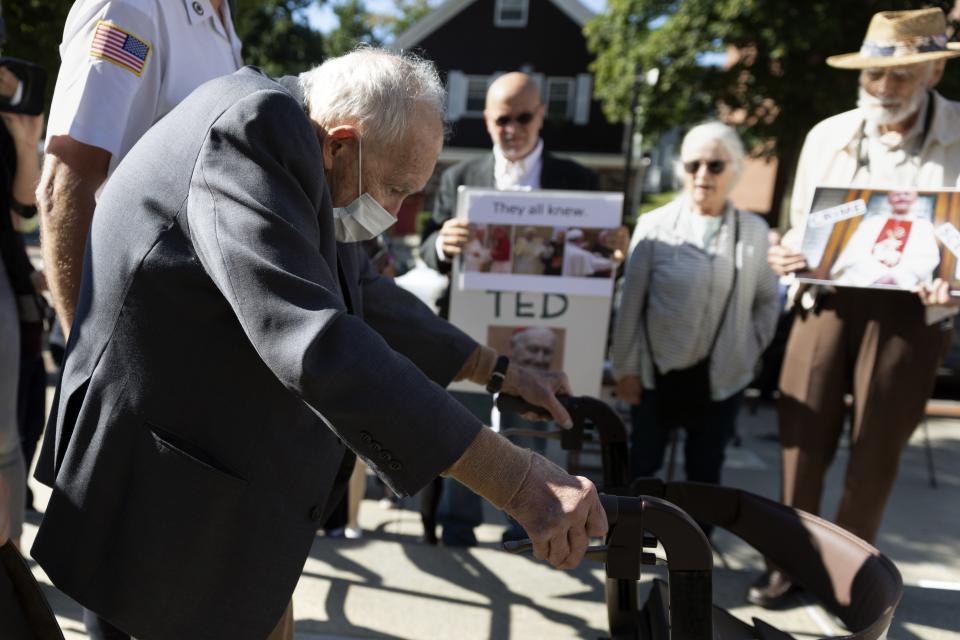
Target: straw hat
<point x="896" y="38"/>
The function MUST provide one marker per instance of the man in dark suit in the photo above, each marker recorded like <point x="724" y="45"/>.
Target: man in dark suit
<point x="513" y="114"/>
<point x="228" y="354"/>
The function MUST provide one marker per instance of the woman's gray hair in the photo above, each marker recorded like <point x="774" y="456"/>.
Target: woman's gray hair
<point x="373" y="89"/>
<point x="714" y="131"/>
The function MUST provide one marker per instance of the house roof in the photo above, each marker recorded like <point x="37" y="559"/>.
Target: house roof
<point x="449" y="9"/>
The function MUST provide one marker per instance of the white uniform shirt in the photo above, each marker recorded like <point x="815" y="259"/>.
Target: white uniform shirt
<point x="108" y="98"/>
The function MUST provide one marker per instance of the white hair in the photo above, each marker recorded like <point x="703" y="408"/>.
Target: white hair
<point x="373" y="89"/>
<point x="533" y="333"/>
<point x="714" y="131"/>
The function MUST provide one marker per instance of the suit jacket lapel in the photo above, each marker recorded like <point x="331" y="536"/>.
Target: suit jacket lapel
<point x="347" y="269"/>
<point x="484" y="175"/>
<point x="345" y="255"/>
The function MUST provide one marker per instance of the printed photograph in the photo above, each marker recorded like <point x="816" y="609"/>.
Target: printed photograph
<point x="534" y="250"/>
<point x="879" y="238"/>
<point x="489" y="249"/>
<point x="530" y="346"/>
<point x="585" y="253"/>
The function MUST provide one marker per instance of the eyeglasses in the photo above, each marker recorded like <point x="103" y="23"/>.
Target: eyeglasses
<point x="524" y="118"/>
<point x="715" y="167"/>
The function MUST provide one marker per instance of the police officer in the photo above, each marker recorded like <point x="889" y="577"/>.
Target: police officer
<point x="125" y="64"/>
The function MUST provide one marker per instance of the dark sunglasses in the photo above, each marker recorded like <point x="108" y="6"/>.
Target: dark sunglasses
<point x="524" y="118"/>
<point x="715" y="167"/>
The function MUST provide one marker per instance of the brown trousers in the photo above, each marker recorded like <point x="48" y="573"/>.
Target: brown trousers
<point x="877" y="346"/>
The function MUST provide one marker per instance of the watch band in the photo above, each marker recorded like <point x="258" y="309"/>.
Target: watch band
<point x="499" y="373"/>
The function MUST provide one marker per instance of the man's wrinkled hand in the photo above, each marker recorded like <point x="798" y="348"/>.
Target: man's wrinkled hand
<point x="453" y="236"/>
<point x="559" y="512"/>
<point x="539" y="388"/>
<point x="630" y="389"/>
<point x="937" y="293"/>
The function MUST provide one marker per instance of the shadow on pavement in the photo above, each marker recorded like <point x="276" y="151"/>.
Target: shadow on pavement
<point x="461" y="568"/>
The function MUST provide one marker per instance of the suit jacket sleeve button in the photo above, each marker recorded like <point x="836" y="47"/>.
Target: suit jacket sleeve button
<point x="365" y="437"/>
<point x="386" y="456"/>
<point x="376" y="446"/>
<point x="316" y="513"/>
<point x="395" y="466"/>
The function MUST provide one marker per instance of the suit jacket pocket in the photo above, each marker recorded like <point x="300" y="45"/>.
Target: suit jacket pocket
<point x="177" y="445"/>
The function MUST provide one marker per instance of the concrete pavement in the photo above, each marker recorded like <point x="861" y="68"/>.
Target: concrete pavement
<point x="388" y="586"/>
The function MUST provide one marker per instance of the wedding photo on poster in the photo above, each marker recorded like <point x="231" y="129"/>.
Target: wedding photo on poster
<point x="882" y="238"/>
<point x="546" y="241"/>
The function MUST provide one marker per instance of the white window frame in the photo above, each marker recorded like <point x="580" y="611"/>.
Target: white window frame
<point x="456" y="94"/>
<point x="571" y="96"/>
<point x="511" y="23"/>
<point x="468" y="80"/>
<point x="581" y="113"/>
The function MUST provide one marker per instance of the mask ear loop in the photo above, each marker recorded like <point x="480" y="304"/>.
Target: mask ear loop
<point x="360" y="144"/>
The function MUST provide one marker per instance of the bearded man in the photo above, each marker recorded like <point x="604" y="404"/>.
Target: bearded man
<point x="883" y="346"/>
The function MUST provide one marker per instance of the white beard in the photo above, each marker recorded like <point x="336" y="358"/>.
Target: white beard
<point x="881" y="112"/>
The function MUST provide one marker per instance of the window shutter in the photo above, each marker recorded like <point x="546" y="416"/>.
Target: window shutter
<point x="541" y="85"/>
<point x="456" y="95"/>
<point x="581" y="114"/>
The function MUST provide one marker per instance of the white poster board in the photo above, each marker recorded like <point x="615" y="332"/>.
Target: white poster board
<point x="547" y="241"/>
<point x="525" y="289"/>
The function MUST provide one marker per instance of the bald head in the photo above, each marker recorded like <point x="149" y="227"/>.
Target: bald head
<point x="514" y="114"/>
<point x="511" y="86"/>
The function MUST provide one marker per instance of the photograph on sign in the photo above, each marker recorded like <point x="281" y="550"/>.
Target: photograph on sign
<point x="546" y="331"/>
<point x="882" y="238"/>
<point x="532" y="346"/>
<point x="538" y="251"/>
<point x="545" y="241"/>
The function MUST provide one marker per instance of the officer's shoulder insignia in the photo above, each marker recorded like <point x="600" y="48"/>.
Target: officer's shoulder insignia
<point x="120" y="47"/>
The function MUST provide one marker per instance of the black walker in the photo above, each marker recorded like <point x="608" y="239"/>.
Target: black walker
<point x="852" y="580"/>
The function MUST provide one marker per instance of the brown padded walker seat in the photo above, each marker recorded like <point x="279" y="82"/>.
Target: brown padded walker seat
<point x="850" y="577"/>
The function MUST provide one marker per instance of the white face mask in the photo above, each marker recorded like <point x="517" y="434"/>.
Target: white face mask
<point x="363" y="218"/>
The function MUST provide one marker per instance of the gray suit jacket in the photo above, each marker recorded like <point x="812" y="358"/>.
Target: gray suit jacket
<point x="225" y="348"/>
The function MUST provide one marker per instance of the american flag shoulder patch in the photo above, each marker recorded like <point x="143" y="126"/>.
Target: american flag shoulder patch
<point x="120" y="47"/>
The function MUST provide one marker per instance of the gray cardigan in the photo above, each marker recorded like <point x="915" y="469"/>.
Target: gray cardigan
<point x="688" y="287"/>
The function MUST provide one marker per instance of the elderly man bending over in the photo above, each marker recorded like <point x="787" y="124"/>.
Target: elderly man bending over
<point x="229" y="357"/>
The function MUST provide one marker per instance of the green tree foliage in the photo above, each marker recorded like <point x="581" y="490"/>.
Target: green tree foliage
<point x="276" y="35"/>
<point x="34" y="31"/>
<point x="355" y="27"/>
<point x="405" y="14"/>
<point x="780" y="81"/>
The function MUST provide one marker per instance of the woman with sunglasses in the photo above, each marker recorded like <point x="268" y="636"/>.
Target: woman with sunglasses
<point x="698" y="307"/>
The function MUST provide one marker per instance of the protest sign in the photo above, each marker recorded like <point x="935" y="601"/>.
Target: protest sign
<point x="882" y="238"/>
<point x="535" y="280"/>
<point x="547" y="241"/>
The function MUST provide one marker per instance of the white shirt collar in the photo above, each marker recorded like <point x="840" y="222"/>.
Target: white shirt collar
<point x="522" y="174"/>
